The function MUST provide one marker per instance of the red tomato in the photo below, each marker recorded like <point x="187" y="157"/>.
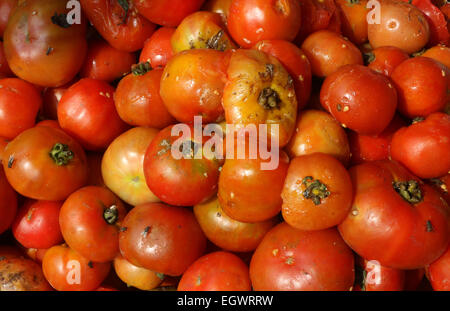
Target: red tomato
<point x="442" y="184"/>
<point x="439" y="272"/>
<point x="6" y="7"/>
<point x="440" y="53"/>
<point x="8" y="204"/>
<point x="50" y="123"/>
<point x="354" y="19"/>
<point x="51" y="97"/>
<point x="371" y="276"/>
<point x="158" y="49"/>
<point x="436" y="20"/>
<point x="385" y="59"/>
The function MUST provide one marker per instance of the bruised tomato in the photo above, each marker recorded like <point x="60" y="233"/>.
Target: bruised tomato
<point x="20" y="274"/>
<point x="135" y="276"/>
<point x="158" y="49"/>
<point x="385" y="59"/>
<point x="8" y="204"/>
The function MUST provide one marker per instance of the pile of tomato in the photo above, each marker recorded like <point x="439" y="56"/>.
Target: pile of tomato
<point x="355" y="93"/>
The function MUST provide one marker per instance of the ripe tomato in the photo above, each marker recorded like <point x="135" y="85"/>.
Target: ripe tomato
<point x="158" y="49"/>
<point x="20" y="274"/>
<point x="44" y="163"/>
<point x="439" y="272"/>
<point x="119" y="23"/>
<point x="440" y="53"/>
<point x="66" y="270"/>
<point x="250" y="21"/>
<point x="442" y="184"/>
<point x="354" y="19"/>
<point x="51" y="97"/>
<point x="8" y="204"/>
<point x="291" y="259"/>
<point x="221" y="7"/>
<point x="423" y="146"/>
<point x="37" y="224"/>
<point x="123" y="166"/>
<point x="218" y="271"/>
<point x="138" y="101"/>
<point x="371" y="276"/>
<point x="395" y="218"/>
<point x="50" y="123"/>
<point x="227" y="233"/>
<point x="385" y="59"/>
<point x="5" y="71"/>
<point x="423" y="86"/>
<point x="6" y="7"/>
<point x="161" y="238"/>
<point x="99" y="123"/>
<point x="37" y="46"/>
<point x="90" y="220"/>
<point x="328" y="51"/>
<point x="348" y="96"/>
<point x="135" y="276"/>
<point x="436" y="21"/>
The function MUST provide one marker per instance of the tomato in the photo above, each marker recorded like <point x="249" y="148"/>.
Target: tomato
<point x="135" y="276"/>
<point x="161" y="238"/>
<point x="185" y="181"/>
<point x="423" y="146"/>
<point x="66" y="270"/>
<point x="167" y="13"/>
<point x="439" y="272"/>
<point x="37" y="224"/>
<point x="6" y="7"/>
<point x="371" y="276"/>
<point x="328" y="51"/>
<point x="227" y="233"/>
<point x="436" y="21"/>
<point x="36" y="44"/>
<point x="19" y="105"/>
<point x="36" y="254"/>
<point x="423" y="85"/>
<point x="103" y="62"/>
<point x="5" y="71"/>
<point x="51" y="97"/>
<point x="291" y="259"/>
<point x="138" y="101"/>
<point x="295" y="62"/>
<point x="123" y="166"/>
<point x="90" y="220"/>
<point x="395" y="218"/>
<point x="49" y="123"/>
<point x="192" y="85"/>
<point x="401" y="25"/>
<point x="385" y="59"/>
<point x="354" y="19"/>
<point x="218" y="271"/>
<point x="99" y="123"/>
<point x="221" y="7"/>
<point x="20" y="274"/>
<point x="250" y="21"/>
<point x="158" y="49"/>
<point x="442" y="184"/>
<point x="440" y="53"/>
<point x="318" y="131"/>
<point x="3" y="143"/>
<point x="348" y="96"/>
<point x="8" y="204"/>
<point x="45" y="163"/>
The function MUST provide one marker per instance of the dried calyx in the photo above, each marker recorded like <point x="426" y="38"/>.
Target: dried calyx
<point x="315" y="190"/>
<point x="269" y="99"/>
<point x="408" y="190"/>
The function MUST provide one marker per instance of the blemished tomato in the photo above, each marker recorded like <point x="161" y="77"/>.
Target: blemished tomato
<point x="354" y="19"/>
<point x="36" y="44"/>
<point x="44" y="163"/>
<point x="5" y="71"/>
<point x="439" y="272"/>
<point x="423" y="146"/>
<point x="227" y="233"/>
<point x="371" y="276"/>
<point x="295" y="62"/>
<point x="442" y="184"/>
<point x="138" y="101"/>
<point x="51" y="97"/>
<point x="8" y="204"/>
<point x="318" y="131"/>
<point x="6" y="7"/>
<point x="123" y="166"/>
<point x="440" y="53"/>
<point x="167" y="13"/>
<point x="90" y="220"/>
<point x="119" y="23"/>
<point x="423" y="86"/>
<point x="20" y="274"/>
<point x="218" y="271"/>
<point x="99" y="123"/>
<point x="103" y="62"/>
<point x="135" y="276"/>
<point x="66" y="270"/>
<point x="250" y="21"/>
<point x="328" y="51"/>
<point x="37" y="224"/>
<point x="385" y="59"/>
<point x="292" y="259"/>
<point x="221" y="7"/>
<point x="395" y="219"/>
<point x="348" y="95"/>
<point x="158" y="49"/>
<point x="161" y="238"/>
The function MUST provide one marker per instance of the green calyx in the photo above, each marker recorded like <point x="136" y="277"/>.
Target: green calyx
<point x="61" y="154"/>
<point x="315" y="190"/>
<point x="111" y="214"/>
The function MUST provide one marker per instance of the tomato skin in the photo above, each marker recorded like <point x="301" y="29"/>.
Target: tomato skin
<point x="37" y="49"/>
<point x="20" y="274"/>
<point x="442" y="185"/>
<point x="218" y="271"/>
<point x="100" y="124"/>
<point x="161" y="238"/>
<point x="376" y="277"/>
<point x="439" y="34"/>
<point x="158" y="49"/>
<point x="5" y="71"/>
<point x="32" y="172"/>
<point x="221" y="7"/>
<point x="423" y="147"/>
<point x="51" y="97"/>
<point x="135" y="276"/>
<point x="37" y="224"/>
<point x="354" y="19"/>
<point x="6" y="7"/>
<point x="439" y="272"/>
<point x="278" y="20"/>
<point x="8" y="204"/>
<point x="60" y="263"/>
<point x="291" y="259"/>
<point x="440" y="53"/>
<point x="19" y="105"/>
<point x="383" y="226"/>
<point x="387" y="58"/>
<point x="348" y="96"/>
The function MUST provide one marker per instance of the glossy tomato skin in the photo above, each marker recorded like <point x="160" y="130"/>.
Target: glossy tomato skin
<point x="386" y="59"/>
<point x="385" y="226"/>
<point x="8" y="204"/>
<point x="374" y="277"/>
<point x="354" y="19"/>
<point x="135" y="276"/>
<point x="440" y="53"/>
<point x="423" y="147"/>
<point x="61" y="264"/>
<point x="100" y="123"/>
<point x="90" y="220"/>
<point x="158" y="48"/>
<point x="348" y="96"/>
<point x="6" y="7"/>
<point x="19" y="105"/>
<point x="439" y="34"/>
<point x="291" y="259"/>
<point x="218" y="271"/>
<point x="21" y="274"/>
<point x="250" y="21"/>
<point x="439" y="272"/>
<point x="161" y="238"/>
<point x="37" y="224"/>
<point x="44" y="163"/>
<point x="36" y="46"/>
